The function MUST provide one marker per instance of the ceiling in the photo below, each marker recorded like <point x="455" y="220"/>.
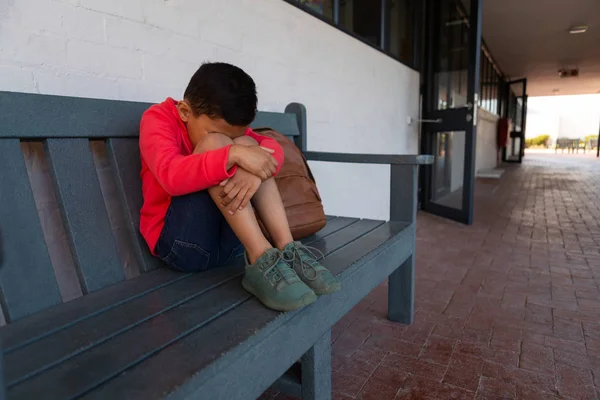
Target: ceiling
<point x="531" y="39"/>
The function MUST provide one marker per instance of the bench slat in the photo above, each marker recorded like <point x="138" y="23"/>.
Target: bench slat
<point x="38" y="326"/>
<point x="124" y="156"/>
<point x="85" y="215"/>
<point x="247" y="338"/>
<point x="285" y="124"/>
<point x="90" y="368"/>
<point x="49" y="116"/>
<point x="346" y="235"/>
<point x="338" y="262"/>
<point x="103" y="322"/>
<point x="28" y="115"/>
<point x="27" y="280"/>
<point x="92" y="331"/>
<point x="332" y="226"/>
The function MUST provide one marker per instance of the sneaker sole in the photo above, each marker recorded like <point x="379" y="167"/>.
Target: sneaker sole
<point x="335" y="287"/>
<point x="306" y="300"/>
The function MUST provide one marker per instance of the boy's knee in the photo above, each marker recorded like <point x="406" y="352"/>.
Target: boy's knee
<point x="212" y="141"/>
<point x="245" y="141"/>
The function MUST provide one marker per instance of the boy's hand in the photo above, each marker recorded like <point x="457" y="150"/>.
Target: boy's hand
<point x="255" y="160"/>
<point x="238" y="190"/>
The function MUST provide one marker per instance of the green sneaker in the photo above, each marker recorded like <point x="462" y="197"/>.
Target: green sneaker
<point x="275" y="284"/>
<point x="304" y="262"/>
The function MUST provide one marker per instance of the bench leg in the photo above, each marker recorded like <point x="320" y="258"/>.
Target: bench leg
<point x="401" y="293"/>
<point x="316" y="370"/>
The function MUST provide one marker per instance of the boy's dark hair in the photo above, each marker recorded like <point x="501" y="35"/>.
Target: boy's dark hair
<point x="222" y="90"/>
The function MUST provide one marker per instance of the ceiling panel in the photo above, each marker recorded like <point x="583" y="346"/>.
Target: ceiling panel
<point x="530" y="38"/>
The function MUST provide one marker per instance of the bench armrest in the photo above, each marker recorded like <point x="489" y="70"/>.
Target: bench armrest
<point x="392" y="159"/>
<point x="404" y="181"/>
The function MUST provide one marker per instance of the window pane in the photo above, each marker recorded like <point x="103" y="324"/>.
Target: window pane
<point x="503" y="99"/>
<point x="458" y="60"/>
<point x="464" y="63"/>
<point x="481" y="77"/>
<point x="493" y="90"/>
<point x="488" y="88"/>
<point x="448" y="168"/>
<point x="441" y="62"/>
<point x="495" y="101"/>
<point x="321" y="7"/>
<point x="519" y="114"/>
<point x="451" y="59"/>
<point x="511" y="104"/>
<point x="499" y="95"/>
<point x="491" y="86"/>
<point x="402" y="15"/>
<point x="483" y="82"/>
<point x="362" y="17"/>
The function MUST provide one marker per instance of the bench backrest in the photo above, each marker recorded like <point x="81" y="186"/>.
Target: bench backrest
<point x="70" y="196"/>
<point x="566" y="142"/>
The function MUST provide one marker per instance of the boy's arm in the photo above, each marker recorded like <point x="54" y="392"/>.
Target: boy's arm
<point x="269" y="143"/>
<point x="176" y="173"/>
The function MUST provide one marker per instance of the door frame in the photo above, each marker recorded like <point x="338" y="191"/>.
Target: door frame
<point x="452" y="119"/>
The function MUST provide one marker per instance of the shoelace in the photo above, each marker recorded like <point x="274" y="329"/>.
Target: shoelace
<point x="308" y="264"/>
<point x="276" y="272"/>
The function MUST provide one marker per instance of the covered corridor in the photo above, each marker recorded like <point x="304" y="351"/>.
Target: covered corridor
<point x="506" y="308"/>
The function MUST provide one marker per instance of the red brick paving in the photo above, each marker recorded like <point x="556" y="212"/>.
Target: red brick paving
<point x="508" y="308"/>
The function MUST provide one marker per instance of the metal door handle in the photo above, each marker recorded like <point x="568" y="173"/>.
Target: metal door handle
<point x="410" y="120"/>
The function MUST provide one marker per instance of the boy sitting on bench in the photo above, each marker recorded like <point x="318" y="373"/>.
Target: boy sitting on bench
<point x="203" y="171"/>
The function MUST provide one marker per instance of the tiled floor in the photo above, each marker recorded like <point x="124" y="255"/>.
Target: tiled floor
<point x="506" y="308"/>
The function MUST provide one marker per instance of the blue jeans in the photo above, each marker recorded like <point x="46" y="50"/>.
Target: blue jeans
<point x="196" y="236"/>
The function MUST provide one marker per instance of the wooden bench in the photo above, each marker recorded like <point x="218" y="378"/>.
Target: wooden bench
<point x="572" y="145"/>
<point x="135" y="330"/>
<point x="562" y="144"/>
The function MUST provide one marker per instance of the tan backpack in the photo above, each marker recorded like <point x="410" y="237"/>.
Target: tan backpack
<point x="298" y="190"/>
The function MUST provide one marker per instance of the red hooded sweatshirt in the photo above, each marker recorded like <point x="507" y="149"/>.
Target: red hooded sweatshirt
<point x="170" y="169"/>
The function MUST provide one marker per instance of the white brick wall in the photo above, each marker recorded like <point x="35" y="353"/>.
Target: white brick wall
<point x="146" y="50"/>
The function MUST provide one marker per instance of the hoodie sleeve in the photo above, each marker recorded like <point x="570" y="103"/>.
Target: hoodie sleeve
<point x="269" y="143"/>
<point x="179" y="174"/>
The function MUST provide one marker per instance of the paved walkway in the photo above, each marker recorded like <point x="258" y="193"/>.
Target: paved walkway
<point x="506" y="308"/>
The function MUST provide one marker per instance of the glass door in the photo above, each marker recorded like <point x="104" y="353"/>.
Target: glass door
<point x="450" y="107"/>
<point x="517" y="112"/>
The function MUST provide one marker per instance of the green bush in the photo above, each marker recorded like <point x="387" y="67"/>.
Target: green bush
<point x="538" y="141"/>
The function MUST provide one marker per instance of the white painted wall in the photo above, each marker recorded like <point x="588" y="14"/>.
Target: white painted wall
<point x="486" y="145"/>
<point x="145" y="50"/>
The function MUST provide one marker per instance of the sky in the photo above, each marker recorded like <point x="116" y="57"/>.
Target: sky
<point x="563" y="116"/>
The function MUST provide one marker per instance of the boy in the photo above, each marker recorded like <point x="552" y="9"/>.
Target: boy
<point x="203" y="171"/>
